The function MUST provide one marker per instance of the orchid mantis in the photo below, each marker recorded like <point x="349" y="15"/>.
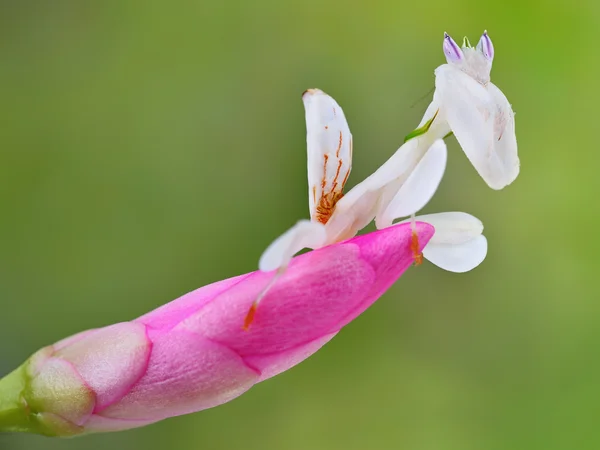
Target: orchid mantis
<point x="468" y="104"/>
<point x="400" y="188"/>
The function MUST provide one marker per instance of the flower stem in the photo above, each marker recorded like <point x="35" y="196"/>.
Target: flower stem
<point x="14" y="416"/>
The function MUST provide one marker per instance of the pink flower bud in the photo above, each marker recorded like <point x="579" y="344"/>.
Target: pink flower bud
<point x="192" y="354"/>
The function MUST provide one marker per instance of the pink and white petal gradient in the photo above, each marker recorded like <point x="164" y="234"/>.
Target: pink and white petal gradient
<point x="192" y="354"/>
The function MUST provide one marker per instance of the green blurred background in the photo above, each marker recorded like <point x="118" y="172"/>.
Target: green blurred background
<point x="149" y="148"/>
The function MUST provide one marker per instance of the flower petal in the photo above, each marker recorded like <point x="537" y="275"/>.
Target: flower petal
<point x="308" y="302"/>
<point x="110" y="359"/>
<point x="274" y="363"/>
<point x="320" y="292"/>
<point x="170" y="314"/>
<point x="186" y="373"/>
<point x="457" y="258"/>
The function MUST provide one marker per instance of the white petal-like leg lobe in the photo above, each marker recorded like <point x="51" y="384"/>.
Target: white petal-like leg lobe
<point x="352" y="213"/>
<point x="419" y="187"/>
<point x="361" y="204"/>
<point x="457" y="258"/>
<point x="505" y="139"/>
<point x="371" y="197"/>
<point x="329" y="148"/>
<point x="452" y="227"/>
<point x="439" y="127"/>
<point x="304" y="234"/>
<point x="390" y="177"/>
<point x="472" y="114"/>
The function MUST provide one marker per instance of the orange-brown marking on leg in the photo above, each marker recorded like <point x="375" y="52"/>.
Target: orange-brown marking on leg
<point x="326" y="127"/>
<point x="326" y="206"/>
<point x="314" y="194"/>
<point x="337" y="152"/>
<point x="345" y="179"/>
<point x="324" y="209"/>
<point x="337" y="174"/>
<point x="323" y="181"/>
<point x="250" y="317"/>
<point x="414" y="246"/>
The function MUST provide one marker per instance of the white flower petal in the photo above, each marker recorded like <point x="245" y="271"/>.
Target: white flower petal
<point x="304" y="234"/>
<point x="419" y="187"/>
<point x="329" y="148"/>
<point x="457" y="258"/>
<point x="452" y="227"/>
<point x="473" y="112"/>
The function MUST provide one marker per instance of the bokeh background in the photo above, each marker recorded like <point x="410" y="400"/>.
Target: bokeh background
<point x="149" y="148"/>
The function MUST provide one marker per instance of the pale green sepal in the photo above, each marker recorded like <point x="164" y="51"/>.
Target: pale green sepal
<point x="19" y="413"/>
